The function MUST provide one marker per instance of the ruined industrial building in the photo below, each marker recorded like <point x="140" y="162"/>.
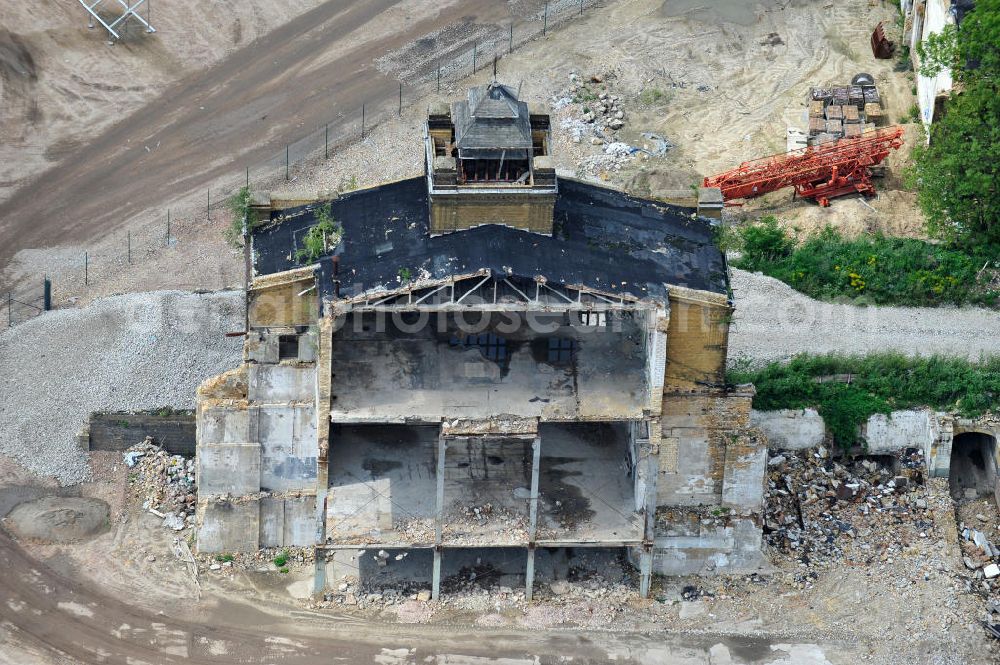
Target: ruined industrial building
<point x="487" y="357"/>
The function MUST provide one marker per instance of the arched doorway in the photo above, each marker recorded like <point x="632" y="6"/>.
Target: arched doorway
<point x="973" y="465"/>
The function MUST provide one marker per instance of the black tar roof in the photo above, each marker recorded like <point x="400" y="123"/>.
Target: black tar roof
<point x="604" y="240"/>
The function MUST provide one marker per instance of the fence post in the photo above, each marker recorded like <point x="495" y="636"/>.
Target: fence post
<point x="545" y="19"/>
<point x="286" y="161"/>
<point x="581" y="7"/>
<point x="168" y="227"/>
<point x="510" y="43"/>
<point x="362" y="122"/>
<point x="475" y="45"/>
<point x="326" y="144"/>
<point x="401" y="98"/>
<point x="439" y="76"/>
<point x="208" y="203"/>
<point x="130" y="248"/>
<point x="10" y="302"/>
<point x="248" y="178"/>
<point x="47" y="294"/>
<point x="86" y="269"/>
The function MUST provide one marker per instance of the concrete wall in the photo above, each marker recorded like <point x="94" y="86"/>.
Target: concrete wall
<point x="790" y="429"/>
<point x="465" y="210"/>
<point x="118" y="431"/>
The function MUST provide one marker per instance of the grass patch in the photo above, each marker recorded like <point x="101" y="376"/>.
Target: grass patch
<point x="871" y="269"/>
<point x="652" y="97"/>
<point x="321" y="238"/>
<point x="848" y="389"/>
<point x="224" y="558"/>
<point x="239" y="208"/>
<point x="281" y="560"/>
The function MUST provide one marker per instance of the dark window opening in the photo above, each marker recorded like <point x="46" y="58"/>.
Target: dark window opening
<point x="492" y="347"/>
<point x="288" y="347"/>
<point x="561" y="350"/>
<point x="493" y="170"/>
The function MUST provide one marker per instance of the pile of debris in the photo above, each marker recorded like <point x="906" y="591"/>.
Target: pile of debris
<point x="816" y="507"/>
<point x="164" y="483"/>
<point x="468" y="521"/>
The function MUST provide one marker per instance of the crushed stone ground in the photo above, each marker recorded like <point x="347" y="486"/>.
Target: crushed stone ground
<point x="774" y="322"/>
<point x="123" y="353"/>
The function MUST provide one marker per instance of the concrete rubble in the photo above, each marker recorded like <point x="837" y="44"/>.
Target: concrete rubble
<point x="164" y="483"/>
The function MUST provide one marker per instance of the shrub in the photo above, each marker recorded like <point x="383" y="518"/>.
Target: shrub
<point x="881" y="270"/>
<point x="281" y="559"/>
<point x="652" y="97"/>
<point x="848" y="389"/>
<point x="239" y="207"/>
<point x="321" y="238"/>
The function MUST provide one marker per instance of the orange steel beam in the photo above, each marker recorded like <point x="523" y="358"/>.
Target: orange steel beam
<point x="816" y="171"/>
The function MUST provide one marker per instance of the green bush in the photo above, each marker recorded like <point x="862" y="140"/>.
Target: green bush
<point x="881" y="270"/>
<point x="281" y="559"/>
<point x="848" y="389"/>
<point x="321" y="238"/>
<point x="239" y="207"/>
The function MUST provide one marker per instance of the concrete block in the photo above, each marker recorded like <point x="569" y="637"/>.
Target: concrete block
<point x="289" y="449"/>
<point x="790" y="429"/>
<point x="901" y="429"/>
<point x="743" y="480"/>
<point x="223" y="424"/>
<point x="228" y="468"/>
<point x="287" y="522"/>
<point x="273" y="384"/>
<point x="229" y="527"/>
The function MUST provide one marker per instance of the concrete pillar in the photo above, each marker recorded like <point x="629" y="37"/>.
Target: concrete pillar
<point x="645" y="570"/>
<point x="319" y="575"/>
<point x="529" y="574"/>
<point x="536" y="455"/>
<point x="439" y="477"/>
<point x="436" y="575"/>
<point x="438" y="519"/>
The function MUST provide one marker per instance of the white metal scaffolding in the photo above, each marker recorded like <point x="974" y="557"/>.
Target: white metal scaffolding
<point x="124" y="12"/>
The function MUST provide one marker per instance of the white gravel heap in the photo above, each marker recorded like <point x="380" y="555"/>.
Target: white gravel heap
<point x="123" y="353"/>
<point x="774" y="322"/>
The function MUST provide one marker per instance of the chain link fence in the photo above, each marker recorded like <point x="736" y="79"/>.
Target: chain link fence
<point x="184" y="221"/>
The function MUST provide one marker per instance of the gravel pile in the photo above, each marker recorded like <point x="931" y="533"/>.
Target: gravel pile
<point x="775" y="322"/>
<point x="123" y="353"/>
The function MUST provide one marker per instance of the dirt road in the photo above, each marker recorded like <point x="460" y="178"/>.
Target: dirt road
<point x="237" y="113"/>
<point x="47" y="617"/>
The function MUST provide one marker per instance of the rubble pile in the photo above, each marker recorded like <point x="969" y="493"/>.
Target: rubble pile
<point x="261" y="561"/>
<point x="819" y="510"/>
<point x="468" y="521"/>
<point x="163" y="482"/>
<point x="980" y="534"/>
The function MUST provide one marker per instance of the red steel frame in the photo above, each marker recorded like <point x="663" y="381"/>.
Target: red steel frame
<point x="817" y="172"/>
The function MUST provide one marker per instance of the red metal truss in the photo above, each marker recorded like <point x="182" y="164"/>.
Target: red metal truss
<point x="818" y="172"/>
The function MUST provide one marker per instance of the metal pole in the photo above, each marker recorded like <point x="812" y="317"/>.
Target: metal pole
<point x="130" y="247"/>
<point x="439" y="77"/>
<point x="545" y="19"/>
<point x="208" y="204"/>
<point x="362" y="121"/>
<point x="510" y="43"/>
<point x="86" y="269"/>
<point x="494" y="66"/>
<point x="581" y="7"/>
<point x="168" y="227"/>
<point x="326" y="143"/>
<point x="248" y="178"/>
<point x="400" y="98"/>
<point x="286" y="161"/>
<point x="475" y="45"/>
<point x="10" y="304"/>
<point x="47" y="294"/>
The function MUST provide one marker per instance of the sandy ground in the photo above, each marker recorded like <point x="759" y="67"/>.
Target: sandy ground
<point x="61" y="84"/>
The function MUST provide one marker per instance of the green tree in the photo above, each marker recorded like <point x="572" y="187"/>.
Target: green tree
<point x="958" y="174"/>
